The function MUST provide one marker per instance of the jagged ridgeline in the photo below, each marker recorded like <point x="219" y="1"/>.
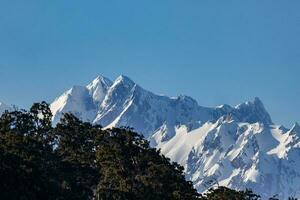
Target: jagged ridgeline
<point x="237" y="147"/>
<point x="78" y="160"/>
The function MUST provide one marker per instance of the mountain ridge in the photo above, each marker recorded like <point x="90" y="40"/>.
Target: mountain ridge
<point x="235" y="146"/>
<point x="238" y="146"/>
<point x="125" y="85"/>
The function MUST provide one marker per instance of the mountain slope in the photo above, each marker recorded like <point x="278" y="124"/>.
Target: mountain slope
<point x="78" y="101"/>
<point x="239" y="155"/>
<point x="124" y="103"/>
<point x="238" y="147"/>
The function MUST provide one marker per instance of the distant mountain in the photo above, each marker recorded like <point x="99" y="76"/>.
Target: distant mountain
<point x="124" y="103"/>
<point x="238" y="147"/>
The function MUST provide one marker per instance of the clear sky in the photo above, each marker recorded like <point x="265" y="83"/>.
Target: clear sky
<point x="215" y="51"/>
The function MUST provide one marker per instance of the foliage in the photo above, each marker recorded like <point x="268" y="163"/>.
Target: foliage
<point x="223" y="193"/>
<point x="141" y="172"/>
<point x="78" y="160"/>
<point x="27" y="162"/>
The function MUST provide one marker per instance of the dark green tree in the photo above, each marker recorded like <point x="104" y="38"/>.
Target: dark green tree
<point x="130" y="169"/>
<point x="27" y="162"/>
<point x="78" y="160"/>
<point x="76" y="150"/>
<point x="223" y="193"/>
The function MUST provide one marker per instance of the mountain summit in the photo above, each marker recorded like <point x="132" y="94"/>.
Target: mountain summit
<point x="253" y="112"/>
<point x="124" y="103"/>
<point x="98" y="88"/>
<point x="238" y="147"/>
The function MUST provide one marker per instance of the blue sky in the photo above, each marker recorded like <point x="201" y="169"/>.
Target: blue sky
<point x="215" y="51"/>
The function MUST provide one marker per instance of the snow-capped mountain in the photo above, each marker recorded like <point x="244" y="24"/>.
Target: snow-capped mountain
<point x="239" y="155"/>
<point x="238" y="147"/>
<point x="124" y="103"/>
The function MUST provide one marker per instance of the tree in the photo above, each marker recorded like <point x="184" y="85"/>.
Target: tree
<point x="27" y="165"/>
<point x="76" y="151"/>
<point x="78" y="160"/>
<point x="130" y="169"/>
<point x="223" y="193"/>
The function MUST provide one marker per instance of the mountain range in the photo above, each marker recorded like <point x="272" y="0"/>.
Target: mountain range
<point x="238" y="147"/>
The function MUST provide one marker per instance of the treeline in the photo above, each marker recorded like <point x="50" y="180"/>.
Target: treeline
<point x="78" y="160"/>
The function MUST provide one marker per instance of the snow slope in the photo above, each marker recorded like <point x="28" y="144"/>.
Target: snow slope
<point x="239" y="155"/>
<point x="238" y="147"/>
<point x="124" y="103"/>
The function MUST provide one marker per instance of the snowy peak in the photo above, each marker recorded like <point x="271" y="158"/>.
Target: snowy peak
<point x="253" y="112"/>
<point x="76" y="100"/>
<point x="103" y="80"/>
<point x="119" y="90"/>
<point x="116" y="102"/>
<point x="257" y="101"/>
<point x="238" y="146"/>
<point x="187" y="100"/>
<point x="100" y="81"/>
<point x="123" y="102"/>
<point x="124" y="81"/>
<point x="123" y="78"/>
<point x="98" y="88"/>
<point x="295" y="129"/>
